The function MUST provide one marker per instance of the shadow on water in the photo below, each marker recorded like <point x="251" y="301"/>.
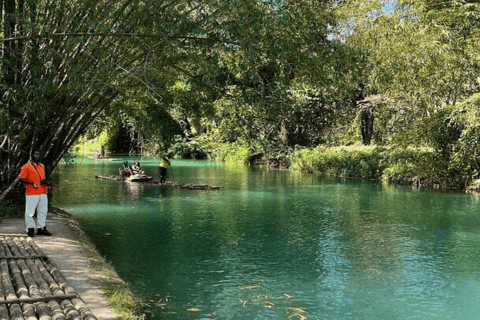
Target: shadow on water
<point x="275" y="244"/>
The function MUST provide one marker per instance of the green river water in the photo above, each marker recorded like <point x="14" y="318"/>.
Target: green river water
<point x="276" y="244"/>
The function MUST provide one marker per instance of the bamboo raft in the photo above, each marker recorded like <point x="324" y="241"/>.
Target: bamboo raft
<point x="32" y="287"/>
<point x="169" y="184"/>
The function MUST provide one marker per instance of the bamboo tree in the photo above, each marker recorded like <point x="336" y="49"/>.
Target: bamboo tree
<point x="66" y="62"/>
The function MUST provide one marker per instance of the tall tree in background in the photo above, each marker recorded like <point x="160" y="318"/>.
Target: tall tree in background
<point x="421" y="56"/>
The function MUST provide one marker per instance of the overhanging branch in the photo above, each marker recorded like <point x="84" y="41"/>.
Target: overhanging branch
<point x="103" y="34"/>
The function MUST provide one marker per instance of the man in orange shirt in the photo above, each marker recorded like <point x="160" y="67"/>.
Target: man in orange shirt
<point x="33" y="175"/>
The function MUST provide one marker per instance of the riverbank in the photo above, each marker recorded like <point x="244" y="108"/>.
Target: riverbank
<point x="418" y="167"/>
<point x="415" y="166"/>
<point x="107" y="296"/>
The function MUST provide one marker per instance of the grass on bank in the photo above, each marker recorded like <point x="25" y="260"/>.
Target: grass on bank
<point x="117" y="292"/>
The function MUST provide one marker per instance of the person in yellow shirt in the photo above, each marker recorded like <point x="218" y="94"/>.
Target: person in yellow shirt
<point x="164" y="165"/>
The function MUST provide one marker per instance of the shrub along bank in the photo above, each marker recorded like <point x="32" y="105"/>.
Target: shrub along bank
<point x="452" y="161"/>
<point x="418" y="167"/>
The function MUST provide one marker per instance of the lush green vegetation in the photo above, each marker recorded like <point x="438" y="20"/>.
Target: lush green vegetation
<point x="246" y="81"/>
<point x="11" y="210"/>
<point x="374" y="163"/>
<point x="89" y="146"/>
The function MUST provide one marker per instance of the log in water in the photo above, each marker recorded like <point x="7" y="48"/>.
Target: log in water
<point x="169" y="184"/>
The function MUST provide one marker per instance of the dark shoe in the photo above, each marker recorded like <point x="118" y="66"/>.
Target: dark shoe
<point x="31" y="232"/>
<point x="43" y="232"/>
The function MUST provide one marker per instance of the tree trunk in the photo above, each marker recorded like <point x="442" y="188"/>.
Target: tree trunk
<point x="366" y="126"/>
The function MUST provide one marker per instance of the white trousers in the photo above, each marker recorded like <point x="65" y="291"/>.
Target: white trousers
<point x="39" y="202"/>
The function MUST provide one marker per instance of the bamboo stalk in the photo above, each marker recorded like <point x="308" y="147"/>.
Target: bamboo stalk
<point x="40" y="306"/>
<point x="77" y="302"/>
<point x="9" y="292"/>
<point x="3" y="308"/>
<point x="35" y="247"/>
<point x="26" y="245"/>
<point x="10" y="187"/>
<point x="19" y="283"/>
<point x="15" y="309"/>
<point x="13" y="247"/>
<point x="41" y="282"/>
<point x="30" y="250"/>
<point x="70" y="311"/>
<point x="23" y="257"/>
<point x="39" y="299"/>
<point x="52" y="284"/>
<point x="67" y="306"/>
<point x="49" y="286"/>
<point x="40" y="275"/>
<point x="20" y="246"/>
<point x="3" y="252"/>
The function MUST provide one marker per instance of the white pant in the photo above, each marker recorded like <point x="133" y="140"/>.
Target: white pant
<point x="39" y="202"/>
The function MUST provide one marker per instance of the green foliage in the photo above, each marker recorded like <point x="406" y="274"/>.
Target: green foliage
<point x="254" y="79"/>
<point x="451" y="162"/>
<point x="119" y="139"/>
<point x="353" y="161"/>
<point x="412" y="167"/>
<point x="404" y="166"/>
<point x="69" y="158"/>
<point x="421" y="57"/>
<point x="181" y="148"/>
<point x="11" y="210"/>
<point x="232" y="153"/>
<point x="89" y="146"/>
<point x="463" y="146"/>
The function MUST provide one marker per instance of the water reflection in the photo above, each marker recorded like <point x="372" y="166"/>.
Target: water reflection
<point x="133" y="189"/>
<point x="282" y="245"/>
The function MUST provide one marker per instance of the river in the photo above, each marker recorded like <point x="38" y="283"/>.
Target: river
<point x="276" y="244"/>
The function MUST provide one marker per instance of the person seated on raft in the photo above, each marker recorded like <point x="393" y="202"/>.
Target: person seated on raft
<point x="137" y="169"/>
<point x="125" y="171"/>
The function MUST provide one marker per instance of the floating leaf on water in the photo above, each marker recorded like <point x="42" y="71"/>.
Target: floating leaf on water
<point x="160" y="303"/>
<point x="249" y="287"/>
<point x="300" y="317"/>
<point x="194" y="309"/>
<point x="297" y="310"/>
